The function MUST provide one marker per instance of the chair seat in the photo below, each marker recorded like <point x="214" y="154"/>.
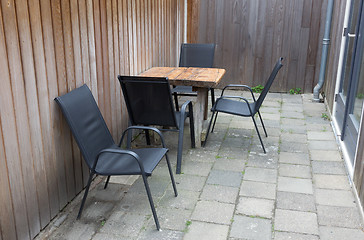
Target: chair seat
<point x="124" y="164"/>
<point x="234" y="107"/>
<point x="183" y="89"/>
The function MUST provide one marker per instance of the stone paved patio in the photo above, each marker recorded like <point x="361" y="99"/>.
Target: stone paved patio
<point x="230" y="189"/>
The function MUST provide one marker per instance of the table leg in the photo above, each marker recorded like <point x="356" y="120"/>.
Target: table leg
<point x="199" y="112"/>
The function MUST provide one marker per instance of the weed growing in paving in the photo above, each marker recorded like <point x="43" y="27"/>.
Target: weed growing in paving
<point x="295" y="91"/>
<point x="258" y="89"/>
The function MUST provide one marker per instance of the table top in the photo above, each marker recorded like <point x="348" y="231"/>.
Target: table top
<point x="188" y="76"/>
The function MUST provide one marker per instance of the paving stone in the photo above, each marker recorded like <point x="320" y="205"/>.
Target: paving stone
<point x="157" y="184"/>
<point x="293" y="236"/>
<point x="126" y="180"/>
<point x="322" y="145"/>
<point x="202" y="230"/>
<point x="325" y="155"/>
<point x="336" y="233"/>
<point x="97" y="211"/>
<point x="292" y="170"/>
<point x="319" y="126"/>
<point x="290" y="121"/>
<point x="171" y="218"/>
<point x="185" y="200"/>
<point x="294" y="137"/>
<point x="105" y="236"/>
<point x="289" y="114"/>
<point x="251" y="228"/>
<point x="233" y="154"/>
<point x="331" y="181"/>
<point x="294" y="221"/>
<point x="165" y="234"/>
<point x="321" y="167"/>
<point x="268" y="124"/>
<point x="196" y="168"/>
<point x="214" y="212"/>
<point x="294" y="158"/>
<point x="293" y="147"/>
<point x="124" y="224"/>
<point x="260" y="175"/>
<point x="272" y="116"/>
<point x="190" y="182"/>
<point x="201" y="155"/>
<point x="311" y="135"/>
<point x="137" y="203"/>
<point x="338" y="216"/>
<point x="78" y="230"/>
<point x="340" y="198"/>
<point x="255" y="207"/>
<point x="296" y="201"/>
<point x="225" y="178"/>
<point x="258" y="190"/>
<point x="262" y="160"/>
<point x="294" y="129"/>
<point x="229" y="165"/>
<point x="114" y="192"/>
<point x="219" y="193"/>
<point x="296" y="185"/>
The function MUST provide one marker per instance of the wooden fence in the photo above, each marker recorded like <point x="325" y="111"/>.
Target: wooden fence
<point x="251" y="35"/>
<point x="47" y="48"/>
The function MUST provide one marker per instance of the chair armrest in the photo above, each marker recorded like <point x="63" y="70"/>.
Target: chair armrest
<point x="143" y="128"/>
<point x="240" y="86"/>
<point x="184" y="106"/>
<point x="119" y="151"/>
<point x="242" y="98"/>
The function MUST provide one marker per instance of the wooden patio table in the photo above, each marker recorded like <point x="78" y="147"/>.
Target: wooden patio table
<point x="201" y="79"/>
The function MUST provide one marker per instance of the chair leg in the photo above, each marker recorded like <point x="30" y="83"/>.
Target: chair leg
<point x="175" y="96"/>
<point x="171" y="174"/>
<point x="213" y="127"/>
<point x="192" y="126"/>
<point x="260" y="138"/>
<point x="212" y="96"/>
<point x="85" y="194"/>
<point x="208" y="129"/>
<point x="107" y="182"/>
<point x="180" y="148"/>
<point x="261" y="120"/>
<point x="147" y="137"/>
<point x="151" y="202"/>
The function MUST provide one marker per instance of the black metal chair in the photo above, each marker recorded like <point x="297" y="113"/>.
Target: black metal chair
<point x="243" y="108"/>
<point x="194" y="55"/>
<point x="102" y="155"/>
<point x="149" y="102"/>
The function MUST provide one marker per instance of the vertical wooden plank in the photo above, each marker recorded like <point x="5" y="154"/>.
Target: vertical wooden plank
<point x="57" y="164"/>
<point x="8" y="142"/>
<point x="7" y="224"/>
<point x="45" y="169"/>
<point x="98" y="56"/>
<point x="62" y="45"/>
<point x="75" y="29"/>
<point x="82" y="12"/>
<point x="125" y="36"/>
<point x="105" y="66"/>
<point x="8" y="119"/>
<point x="113" y="79"/>
<point x="132" y="37"/>
<point x="27" y="114"/>
<point x="92" y="48"/>
<point x="111" y="70"/>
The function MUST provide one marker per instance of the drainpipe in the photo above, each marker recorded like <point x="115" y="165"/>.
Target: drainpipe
<point x="325" y="48"/>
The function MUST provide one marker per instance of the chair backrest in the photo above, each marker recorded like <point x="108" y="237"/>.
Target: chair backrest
<point x="197" y="55"/>
<point x="86" y="122"/>
<point x="148" y="100"/>
<point x="268" y="84"/>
